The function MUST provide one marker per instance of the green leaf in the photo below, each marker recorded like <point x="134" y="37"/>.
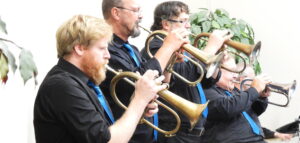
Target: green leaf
<point x="236" y="30"/>
<point x="193" y="18"/>
<point x="2" y="26"/>
<point x="244" y="35"/>
<point x="215" y="24"/>
<point x="226" y="21"/>
<point x="222" y="12"/>
<point x="27" y="66"/>
<point x="10" y="57"/>
<point x="245" y="41"/>
<point x="3" y="67"/>
<point x="219" y="20"/>
<point x="250" y="31"/>
<point x="206" y="26"/>
<point x="257" y="68"/>
<point x="236" y="38"/>
<point x="201" y="16"/>
<point x="196" y="29"/>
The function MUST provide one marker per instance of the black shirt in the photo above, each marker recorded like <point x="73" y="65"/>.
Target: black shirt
<point x="66" y="110"/>
<point x="121" y="60"/>
<point x="225" y="122"/>
<point x="268" y="133"/>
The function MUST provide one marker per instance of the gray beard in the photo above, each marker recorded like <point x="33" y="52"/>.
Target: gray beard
<point x="136" y="31"/>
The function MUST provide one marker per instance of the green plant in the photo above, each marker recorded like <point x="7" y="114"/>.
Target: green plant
<point x="27" y="65"/>
<point x="207" y="21"/>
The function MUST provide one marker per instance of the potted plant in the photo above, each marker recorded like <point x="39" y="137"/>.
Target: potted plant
<point x="207" y="21"/>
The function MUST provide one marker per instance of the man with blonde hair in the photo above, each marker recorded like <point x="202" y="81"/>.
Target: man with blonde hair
<point x="70" y="106"/>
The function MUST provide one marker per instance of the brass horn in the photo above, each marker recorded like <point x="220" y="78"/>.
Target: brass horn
<point x="191" y="110"/>
<point x="284" y="89"/>
<point x="252" y="51"/>
<point x="212" y="61"/>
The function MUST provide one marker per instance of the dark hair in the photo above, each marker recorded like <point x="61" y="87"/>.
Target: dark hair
<point x="107" y="5"/>
<point x="166" y="10"/>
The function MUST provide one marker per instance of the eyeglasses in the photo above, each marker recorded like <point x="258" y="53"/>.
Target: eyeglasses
<point x="179" y="21"/>
<point x="139" y="12"/>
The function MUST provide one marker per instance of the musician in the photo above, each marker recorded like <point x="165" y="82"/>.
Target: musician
<point x="67" y="109"/>
<point x="168" y="16"/>
<point x="233" y="116"/>
<point x="124" y="16"/>
<point x="249" y="73"/>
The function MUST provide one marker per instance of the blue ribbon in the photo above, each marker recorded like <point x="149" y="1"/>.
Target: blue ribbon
<point x="132" y="54"/>
<point x="102" y="101"/>
<point x="253" y="125"/>
<point x="202" y="99"/>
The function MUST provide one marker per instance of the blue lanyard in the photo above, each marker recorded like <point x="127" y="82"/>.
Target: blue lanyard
<point x="137" y="63"/>
<point x="132" y="54"/>
<point x="202" y="99"/>
<point x="253" y="125"/>
<point x="200" y="91"/>
<point x="102" y="101"/>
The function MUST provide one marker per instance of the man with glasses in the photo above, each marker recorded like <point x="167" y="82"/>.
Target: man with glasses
<point x="124" y="16"/>
<point x="174" y="15"/>
<point x="233" y="114"/>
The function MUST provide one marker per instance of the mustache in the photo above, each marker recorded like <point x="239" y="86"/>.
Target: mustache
<point x="138" y="21"/>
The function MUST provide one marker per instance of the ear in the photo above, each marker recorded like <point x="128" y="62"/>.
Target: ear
<point x="79" y="49"/>
<point x="115" y="13"/>
<point x="166" y="25"/>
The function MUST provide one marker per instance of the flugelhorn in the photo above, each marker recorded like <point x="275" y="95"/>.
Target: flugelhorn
<point x="286" y="90"/>
<point x="191" y="110"/>
<point x="252" y="51"/>
<point x="212" y="61"/>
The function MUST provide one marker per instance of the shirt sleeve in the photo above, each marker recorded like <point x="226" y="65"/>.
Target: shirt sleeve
<point x="222" y="107"/>
<point x="268" y="133"/>
<point x="260" y="105"/>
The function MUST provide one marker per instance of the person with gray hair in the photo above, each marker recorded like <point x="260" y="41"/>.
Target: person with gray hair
<point x="124" y="16"/>
<point x="233" y="115"/>
<point x="69" y="106"/>
<point x="249" y="73"/>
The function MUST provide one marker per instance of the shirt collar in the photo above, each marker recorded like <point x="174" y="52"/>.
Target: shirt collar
<point x="72" y="69"/>
<point x="117" y="41"/>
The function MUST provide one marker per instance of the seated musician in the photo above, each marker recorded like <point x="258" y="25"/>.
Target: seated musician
<point x="233" y="115"/>
<point x="249" y="73"/>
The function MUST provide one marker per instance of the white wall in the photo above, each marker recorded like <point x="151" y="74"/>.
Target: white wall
<point x="33" y="23"/>
<point x="276" y="24"/>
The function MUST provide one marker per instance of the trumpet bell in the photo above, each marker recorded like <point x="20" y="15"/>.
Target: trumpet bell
<point x="255" y="52"/>
<point x="252" y="51"/>
<point x="212" y="68"/>
<point x="287" y="90"/>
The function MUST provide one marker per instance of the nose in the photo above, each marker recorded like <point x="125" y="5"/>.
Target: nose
<point x="188" y="25"/>
<point x="107" y="54"/>
<point x="140" y="15"/>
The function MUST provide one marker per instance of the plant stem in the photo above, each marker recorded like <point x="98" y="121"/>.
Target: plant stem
<point x="11" y="42"/>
